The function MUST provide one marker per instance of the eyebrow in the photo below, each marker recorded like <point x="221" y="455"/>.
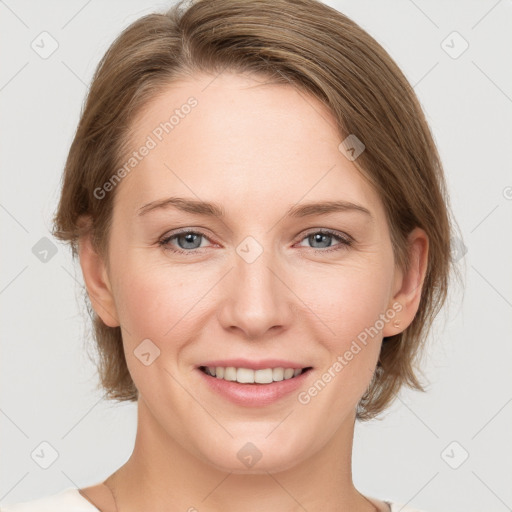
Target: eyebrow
<point x="211" y="209"/>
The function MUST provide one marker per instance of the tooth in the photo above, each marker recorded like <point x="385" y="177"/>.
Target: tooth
<point x="245" y="376"/>
<point x="263" y="376"/>
<point x="249" y="376"/>
<point x="230" y="373"/>
<point x="288" y="373"/>
<point x="278" y="374"/>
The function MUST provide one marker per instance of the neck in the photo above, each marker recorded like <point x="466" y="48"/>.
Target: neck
<point x="162" y="474"/>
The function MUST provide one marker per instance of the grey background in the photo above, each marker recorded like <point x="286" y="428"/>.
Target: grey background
<point x="48" y="383"/>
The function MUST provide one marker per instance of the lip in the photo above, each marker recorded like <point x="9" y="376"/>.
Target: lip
<point x="255" y="365"/>
<point x="254" y="395"/>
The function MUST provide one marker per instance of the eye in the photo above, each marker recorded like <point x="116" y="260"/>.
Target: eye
<point x="323" y="236"/>
<point x="188" y="241"/>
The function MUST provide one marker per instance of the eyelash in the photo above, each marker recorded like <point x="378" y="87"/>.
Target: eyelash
<point x="345" y="241"/>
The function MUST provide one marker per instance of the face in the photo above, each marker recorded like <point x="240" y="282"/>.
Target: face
<point x="257" y="283"/>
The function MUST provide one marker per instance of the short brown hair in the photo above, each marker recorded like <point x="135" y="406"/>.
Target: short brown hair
<point x="317" y="50"/>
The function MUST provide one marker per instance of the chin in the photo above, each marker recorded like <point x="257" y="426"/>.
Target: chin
<point x="259" y="456"/>
<point x="273" y="464"/>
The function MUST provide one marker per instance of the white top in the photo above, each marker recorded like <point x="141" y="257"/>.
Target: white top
<point x="70" y="500"/>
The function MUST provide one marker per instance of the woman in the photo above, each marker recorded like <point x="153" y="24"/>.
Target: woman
<point x="261" y="218"/>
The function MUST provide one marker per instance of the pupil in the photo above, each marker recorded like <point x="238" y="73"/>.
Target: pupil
<point x="189" y="239"/>
<point x="317" y="237"/>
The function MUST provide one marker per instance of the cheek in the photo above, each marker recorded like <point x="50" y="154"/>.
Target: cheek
<point x="348" y="307"/>
<point x="159" y="301"/>
<point x="347" y="300"/>
<point x="159" y="305"/>
<point x="350" y="355"/>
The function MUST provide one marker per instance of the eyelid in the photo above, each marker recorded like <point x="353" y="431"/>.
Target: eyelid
<point x="174" y="233"/>
<point x="343" y="236"/>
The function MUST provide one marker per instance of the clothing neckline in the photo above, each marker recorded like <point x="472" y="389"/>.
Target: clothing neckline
<point x="76" y="492"/>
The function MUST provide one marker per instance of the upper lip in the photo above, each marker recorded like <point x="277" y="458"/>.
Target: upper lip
<point x="255" y="365"/>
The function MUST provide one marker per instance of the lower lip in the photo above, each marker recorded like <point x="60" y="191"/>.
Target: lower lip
<point x="254" y="395"/>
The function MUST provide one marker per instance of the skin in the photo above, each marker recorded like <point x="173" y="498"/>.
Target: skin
<point x="256" y="149"/>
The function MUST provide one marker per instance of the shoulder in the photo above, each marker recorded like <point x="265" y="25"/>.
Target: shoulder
<point x="68" y="500"/>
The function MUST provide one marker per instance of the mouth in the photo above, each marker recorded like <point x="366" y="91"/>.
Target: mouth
<point x="263" y="376"/>
<point x="248" y="387"/>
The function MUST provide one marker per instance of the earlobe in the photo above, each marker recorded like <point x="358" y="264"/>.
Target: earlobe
<point x="97" y="282"/>
<point x="407" y="296"/>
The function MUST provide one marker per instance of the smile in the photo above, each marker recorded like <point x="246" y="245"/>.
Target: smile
<point x="244" y="388"/>
<point x="249" y="376"/>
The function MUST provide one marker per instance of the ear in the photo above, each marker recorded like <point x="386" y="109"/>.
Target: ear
<point x="407" y="286"/>
<point x="97" y="281"/>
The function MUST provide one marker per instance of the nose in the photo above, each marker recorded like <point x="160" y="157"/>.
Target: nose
<point x="256" y="297"/>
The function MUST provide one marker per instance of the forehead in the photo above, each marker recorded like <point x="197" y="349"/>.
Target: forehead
<point x="241" y="142"/>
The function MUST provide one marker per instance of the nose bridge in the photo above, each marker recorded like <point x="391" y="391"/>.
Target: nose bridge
<point x="257" y="300"/>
